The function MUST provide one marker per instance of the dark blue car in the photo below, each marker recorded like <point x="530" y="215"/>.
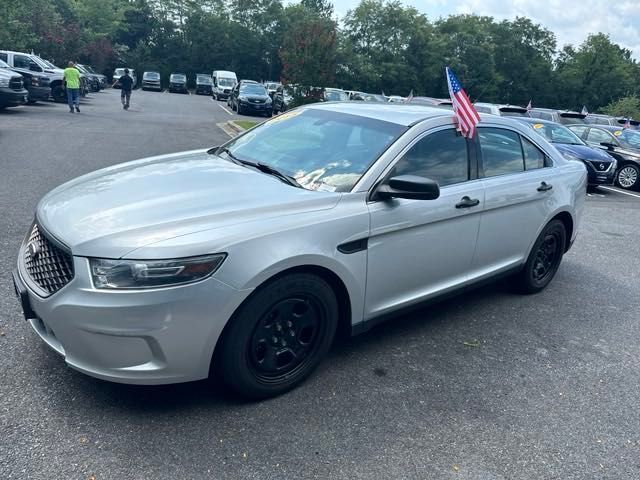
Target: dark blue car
<point x="601" y="166"/>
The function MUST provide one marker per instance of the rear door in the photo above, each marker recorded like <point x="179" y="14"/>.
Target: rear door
<point x="518" y="183"/>
<point x="419" y="248"/>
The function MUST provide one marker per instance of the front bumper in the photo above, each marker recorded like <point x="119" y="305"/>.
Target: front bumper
<point x="257" y="107"/>
<point x="12" y="98"/>
<point x="39" y="93"/>
<point x="151" y="86"/>
<point x="204" y="90"/>
<point x="596" y="177"/>
<point x="148" y="337"/>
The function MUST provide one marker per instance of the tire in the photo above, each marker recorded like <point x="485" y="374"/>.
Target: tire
<point x="296" y="312"/>
<point x="544" y="259"/>
<point x="58" y="94"/>
<point x="239" y="109"/>
<point x="628" y="177"/>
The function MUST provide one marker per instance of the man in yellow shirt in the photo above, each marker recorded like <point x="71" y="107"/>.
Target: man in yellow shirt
<point x="72" y="83"/>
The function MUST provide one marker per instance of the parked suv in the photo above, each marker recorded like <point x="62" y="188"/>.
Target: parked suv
<point x="178" y="83"/>
<point x="12" y="91"/>
<point x="623" y="144"/>
<point x="32" y="63"/>
<point x="251" y="98"/>
<point x="501" y="110"/>
<point x="151" y="81"/>
<point x="204" y="84"/>
<point x="597" y="119"/>
<point x="565" y="117"/>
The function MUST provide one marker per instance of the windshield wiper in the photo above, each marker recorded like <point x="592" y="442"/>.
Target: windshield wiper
<point x="263" y="167"/>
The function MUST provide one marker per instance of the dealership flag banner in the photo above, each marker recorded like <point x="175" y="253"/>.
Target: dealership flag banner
<point x="465" y="113"/>
<point x="529" y="106"/>
<point x="584" y="111"/>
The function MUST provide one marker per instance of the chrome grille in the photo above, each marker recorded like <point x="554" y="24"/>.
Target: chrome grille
<point x="48" y="265"/>
<point x="600" y="166"/>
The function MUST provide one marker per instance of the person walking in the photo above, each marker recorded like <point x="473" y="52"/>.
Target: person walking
<point x="72" y="84"/>
<point x="126" y="84"/>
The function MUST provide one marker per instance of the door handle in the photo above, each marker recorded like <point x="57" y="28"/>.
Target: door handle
<point x="466" y="202"/>
<point x="544" y="186"/>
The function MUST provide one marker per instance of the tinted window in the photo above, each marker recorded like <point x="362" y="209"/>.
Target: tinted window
<point x="440" y="156"/>
<point x="21" y="61"/>
<point x="482" y="109"/>
<point x="598" y="136"/>
<point x="533" y="156"/>
<point x="3" y="57"/>
<point x="501" y="151"/>
<point x="543" y="115"/>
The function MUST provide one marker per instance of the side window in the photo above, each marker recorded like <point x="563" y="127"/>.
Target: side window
<point x="501" y="151"/>
<point x="20" y="61"/>
<point x="441" y="156"/>
<point x="4" y="57"/>
<point x="598" y="136"/>
<point x="533" y="157"/>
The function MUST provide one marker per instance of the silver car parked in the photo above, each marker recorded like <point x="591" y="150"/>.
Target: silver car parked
<point x="248" y="258"/>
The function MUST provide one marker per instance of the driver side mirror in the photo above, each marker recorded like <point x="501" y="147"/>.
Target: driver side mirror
<point x="411" y="187"/>
<point x="34" y="67"/>
<point x="610" y="146"/>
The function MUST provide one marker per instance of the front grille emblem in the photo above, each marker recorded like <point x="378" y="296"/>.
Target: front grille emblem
<point x="34" y="250"/>
<point x="602" y="166"/>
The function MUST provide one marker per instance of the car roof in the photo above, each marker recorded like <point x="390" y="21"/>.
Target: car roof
<point x="404" y="114"/>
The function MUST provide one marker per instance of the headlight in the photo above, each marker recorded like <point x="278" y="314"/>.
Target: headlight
<point x="614" y="165"/>
<point x="132" y="274"/>
<point x="4" y="82"/>
<point x="268" y="101"/>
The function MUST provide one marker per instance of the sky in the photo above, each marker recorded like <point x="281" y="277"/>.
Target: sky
<point x="571" y="20"/>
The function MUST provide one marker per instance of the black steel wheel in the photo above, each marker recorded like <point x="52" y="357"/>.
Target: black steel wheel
<point x="278" y="336"/>
<point x="544" y="258"/>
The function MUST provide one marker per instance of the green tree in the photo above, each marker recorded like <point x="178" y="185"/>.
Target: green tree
<point x="627" y="107"/>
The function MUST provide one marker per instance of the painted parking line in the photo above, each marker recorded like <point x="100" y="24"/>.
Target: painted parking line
<point x="611" y="189"/>
<point x="225" y="110"/>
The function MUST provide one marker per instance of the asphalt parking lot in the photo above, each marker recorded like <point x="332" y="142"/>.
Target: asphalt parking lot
<point x="489" y="385"/>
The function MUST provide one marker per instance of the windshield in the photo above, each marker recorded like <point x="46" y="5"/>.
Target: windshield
<point x="226" y="82"/>
<point x="272" y="86"/>
<point x="252" y="89"/>
<point x="204" y="79"/>
<point x="119" y="71"/>
<point x="151" y="76"/>
<point x="557" y="133"/>
<point x="336" y="96"/>
<point x="323" y="150"/>
<point x="178" y="77"/>
<point x="628" y="138"/>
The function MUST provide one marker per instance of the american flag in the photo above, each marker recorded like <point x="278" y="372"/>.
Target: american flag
<point x="584" y="110"/>
<point x="464" y="111"/>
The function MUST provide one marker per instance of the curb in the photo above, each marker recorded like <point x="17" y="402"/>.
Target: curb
<point x="235" y="127"/>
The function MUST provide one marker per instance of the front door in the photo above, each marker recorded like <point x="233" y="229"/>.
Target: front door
<point x="419" y="248"/>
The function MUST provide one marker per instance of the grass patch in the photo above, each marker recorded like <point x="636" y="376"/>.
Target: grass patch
<point x="245" y="124"/>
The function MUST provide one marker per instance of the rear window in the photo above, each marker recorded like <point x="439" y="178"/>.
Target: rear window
<point x="178" y="77"/>
<point x="501" y="151"/>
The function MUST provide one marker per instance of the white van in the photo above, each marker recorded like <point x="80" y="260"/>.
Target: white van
<point x="223" y="83"/>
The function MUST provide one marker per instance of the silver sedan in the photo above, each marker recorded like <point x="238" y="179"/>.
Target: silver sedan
<point x="247" y="259"/>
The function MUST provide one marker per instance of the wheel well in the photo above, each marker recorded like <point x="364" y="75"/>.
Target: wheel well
<point x="565" y="218"/>
<point x="337" y="285"/>
<point x="55" y="83"/>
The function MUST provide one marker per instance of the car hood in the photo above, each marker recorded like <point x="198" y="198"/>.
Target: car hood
<point x="583" y="152"/>
<point x="113" y="211"/>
